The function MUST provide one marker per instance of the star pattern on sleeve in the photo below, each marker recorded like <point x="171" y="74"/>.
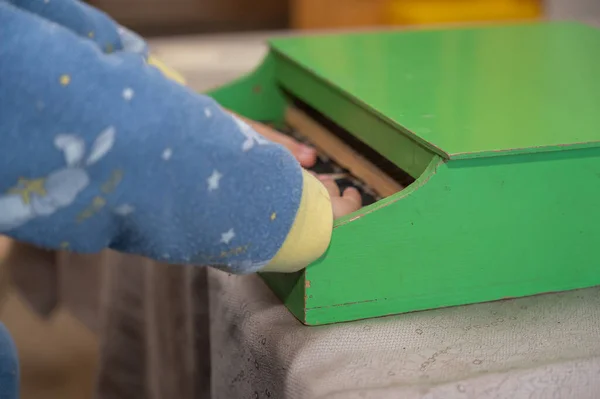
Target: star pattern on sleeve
<point x="65" y="80"/>
<point x="214" y="180"/>
<point x="27" y="187"/>
<point x="124" y="210"/>
<point x="227" y="236"/>
<point x="128" y="93"/>
<point x="251" y="136"/>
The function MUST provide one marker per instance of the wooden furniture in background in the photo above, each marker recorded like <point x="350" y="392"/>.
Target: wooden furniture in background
<point x="419" y="12"/>
<point x="318" y="14"/>
<point x="158" y="17"/>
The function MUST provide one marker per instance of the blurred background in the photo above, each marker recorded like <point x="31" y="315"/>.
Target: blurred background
<point x="176" y="17"/>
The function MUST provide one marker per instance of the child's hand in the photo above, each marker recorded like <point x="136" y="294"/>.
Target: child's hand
<point x="307" y="156"/>
<point x="343" y="203"/>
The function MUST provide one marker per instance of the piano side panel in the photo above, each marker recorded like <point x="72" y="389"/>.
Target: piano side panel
<point x="289" y="288"/>
<point x="256" y="95"/>
<point x="470" y="231"/>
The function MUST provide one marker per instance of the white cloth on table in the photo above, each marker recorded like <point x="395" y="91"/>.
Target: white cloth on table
<point x="545" y="346"/>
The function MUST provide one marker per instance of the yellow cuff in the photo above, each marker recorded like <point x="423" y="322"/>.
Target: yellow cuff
<point x="310" y="234"/>
<point x="168" y="72"/>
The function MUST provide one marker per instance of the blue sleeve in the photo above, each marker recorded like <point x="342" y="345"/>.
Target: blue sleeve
<point x="101" y="151"/>
<point x="86" y="22"/>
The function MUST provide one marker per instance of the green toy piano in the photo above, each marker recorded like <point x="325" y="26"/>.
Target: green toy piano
<point x="478" y="147"/>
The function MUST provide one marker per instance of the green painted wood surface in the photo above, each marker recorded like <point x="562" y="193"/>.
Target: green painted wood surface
<point x="354" y="117"/>
<point x="468" y="92"/>
<point x="256" y="95"/>
<point x="470" y="229"/>
<point x="465" y="232"/>
<point x="474" y="231"/>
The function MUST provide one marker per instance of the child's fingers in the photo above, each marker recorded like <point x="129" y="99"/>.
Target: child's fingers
<point x="305" y="155"/>
<point x="348" y="203"/>
<point x="332" y="187"/>
<point x="353" y="197"/>
<point x="341" y="207"/>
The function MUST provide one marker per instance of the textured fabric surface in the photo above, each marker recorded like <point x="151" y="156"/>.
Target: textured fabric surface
<point x="9" y="366"/>
<point x="151" y="319"/>
<point x="84" y="21"/>
<point x="545" y="346"/>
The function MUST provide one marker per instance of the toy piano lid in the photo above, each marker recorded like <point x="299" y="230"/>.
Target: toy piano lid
<point x="469" y="92"/>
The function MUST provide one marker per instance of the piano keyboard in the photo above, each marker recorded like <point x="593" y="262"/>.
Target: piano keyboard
<point x="327" y="166"/>
<point x="350" y="162"/>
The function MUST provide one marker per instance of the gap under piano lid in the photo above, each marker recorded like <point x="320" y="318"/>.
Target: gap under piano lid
<point x="341" y="167"/>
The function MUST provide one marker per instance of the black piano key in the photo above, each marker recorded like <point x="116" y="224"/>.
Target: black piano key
<point x="325" y="165"/>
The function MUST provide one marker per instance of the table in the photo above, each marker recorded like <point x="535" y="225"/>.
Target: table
<point x="545" y="346"/>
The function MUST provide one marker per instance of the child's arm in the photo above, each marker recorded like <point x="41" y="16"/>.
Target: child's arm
<point x="101" y="150"/>
<point x="94" y="25"/>
<point x="86" y="22"/>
